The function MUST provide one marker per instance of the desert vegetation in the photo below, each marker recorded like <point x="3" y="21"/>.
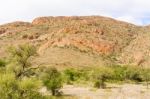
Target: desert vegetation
<point x="54" y="52"/>
<point x="19" y="78"/>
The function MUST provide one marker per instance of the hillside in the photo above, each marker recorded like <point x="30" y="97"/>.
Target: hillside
<point x="80" y="41"/>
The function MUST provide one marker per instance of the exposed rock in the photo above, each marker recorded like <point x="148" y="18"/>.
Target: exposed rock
<point x="98" y="35"/>
<point x="2" y="31"/>
<point x="41" y="20"/>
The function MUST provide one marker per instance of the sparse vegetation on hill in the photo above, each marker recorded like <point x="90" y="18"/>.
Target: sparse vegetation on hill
<point x="98" y="39"/>
<point x="52" y="52"/>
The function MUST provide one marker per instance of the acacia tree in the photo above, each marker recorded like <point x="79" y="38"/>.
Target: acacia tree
<point x="15" y="82"/>
<point x="21" y="56"/>
<point x="52" y="80"/>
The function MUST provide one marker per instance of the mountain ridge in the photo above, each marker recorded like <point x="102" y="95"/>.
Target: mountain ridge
<point x="80" y="40"/>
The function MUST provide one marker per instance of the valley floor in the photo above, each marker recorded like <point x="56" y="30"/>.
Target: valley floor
<point x="125" y="91"/>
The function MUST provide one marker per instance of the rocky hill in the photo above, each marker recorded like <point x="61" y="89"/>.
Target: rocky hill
<point x="80" y="41"/>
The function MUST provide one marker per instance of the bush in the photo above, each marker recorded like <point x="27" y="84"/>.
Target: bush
<point x="28" y="88"/>
<point x="100" y="83"/>
<point x="8" y="86"/>
<point x="101" y="76"/>
<point x="119" y="73"/>
<point x="133" y="73"/>
<point x="12" y="88"/>
<point x="146" y="76"/>
<point x="52" y="79"/>
<point x="71" y="75"/>
<point x="2" y="63"/>
<point x="123" y="73"/>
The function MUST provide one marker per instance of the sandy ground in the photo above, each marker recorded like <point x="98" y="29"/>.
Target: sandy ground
<point x="126" y="91"/>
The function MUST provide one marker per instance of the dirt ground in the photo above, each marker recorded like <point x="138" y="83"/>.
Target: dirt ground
<point x="125" y="91"/>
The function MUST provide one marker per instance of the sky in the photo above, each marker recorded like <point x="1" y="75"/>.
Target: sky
<point x="133" y="11"/>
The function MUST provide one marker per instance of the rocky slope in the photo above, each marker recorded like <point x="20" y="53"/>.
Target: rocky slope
<point x="80" y="41"/>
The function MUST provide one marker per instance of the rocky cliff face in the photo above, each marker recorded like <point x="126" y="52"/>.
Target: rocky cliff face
<point x="80" y="41"/>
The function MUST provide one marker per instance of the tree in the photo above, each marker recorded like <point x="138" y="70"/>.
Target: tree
<point x="101" y="76"/>
<point x="21" y="59"/>
<point x="100" y="82"/>
<point x="15" y="81"/>
<point x="52" y="80"/>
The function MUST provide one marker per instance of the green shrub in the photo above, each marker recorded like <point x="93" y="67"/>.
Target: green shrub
<point x="101" y="75"/>
<point x="8" y="86"/>
<point x="2" y="63"/>
<point x="146" y="76"/>
<point x="123" y="73"/>
<point x="105" y="74"/>
<point x="119" y="73"/>
<point x="29" y="87"/>
<point x="12" y="88"/>
<point x="52" y="79"/>
<point x="71" y="75"/>
<point x="134" y="74"/>
<point x="100" y="83"/>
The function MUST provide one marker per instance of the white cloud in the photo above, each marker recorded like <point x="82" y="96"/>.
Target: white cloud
<point x="134" y="11"/>
<point x="130" y="19"/>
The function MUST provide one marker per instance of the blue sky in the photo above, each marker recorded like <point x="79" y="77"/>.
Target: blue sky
<point x="133" y="11"/>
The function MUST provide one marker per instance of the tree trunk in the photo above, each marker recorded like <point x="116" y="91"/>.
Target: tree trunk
<point x="53" y="92"/>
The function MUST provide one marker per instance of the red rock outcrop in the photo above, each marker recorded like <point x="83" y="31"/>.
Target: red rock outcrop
<point x="40" y="20"/>
<point x="101" y="47"/>
<point x="2" y="31"/>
